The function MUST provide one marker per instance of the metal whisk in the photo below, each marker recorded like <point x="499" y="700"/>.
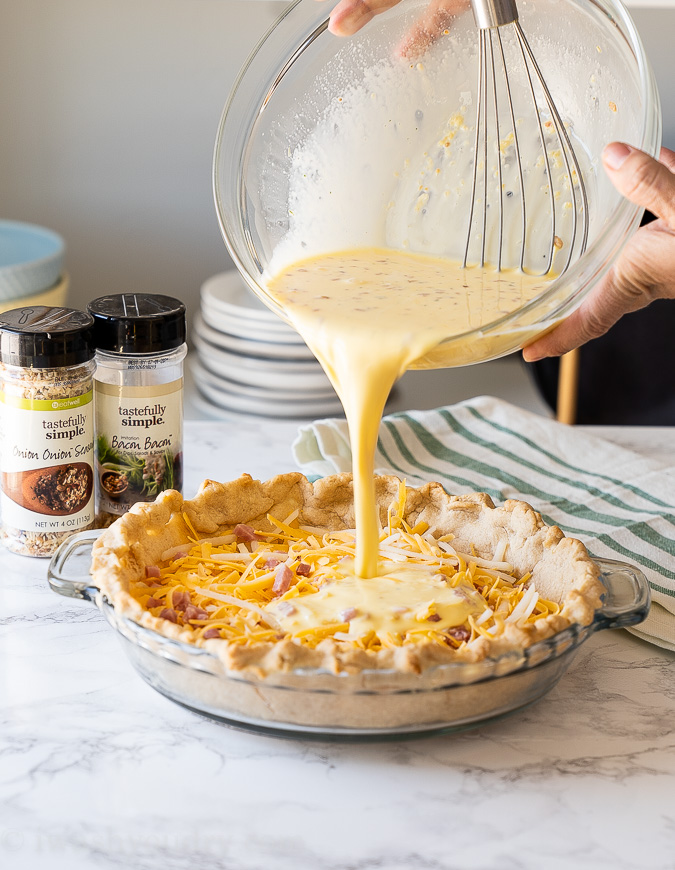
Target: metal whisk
<point x="496" y="109"/>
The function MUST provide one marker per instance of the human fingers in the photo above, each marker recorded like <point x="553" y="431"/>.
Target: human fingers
<point x="646" y="268"/>
<point x="351" y="15"/>
<point x="668" y="158"/>
<point x="645" y="271"/>
<point x="434" y="22"/>
<point x="601" y="309"/>
<point x="641" y="179"/>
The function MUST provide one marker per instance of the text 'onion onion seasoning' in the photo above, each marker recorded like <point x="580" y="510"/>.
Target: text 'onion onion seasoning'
<point x="46" y="427"/>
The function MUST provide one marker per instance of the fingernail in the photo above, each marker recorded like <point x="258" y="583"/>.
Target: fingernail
<point x="615" y="154"/>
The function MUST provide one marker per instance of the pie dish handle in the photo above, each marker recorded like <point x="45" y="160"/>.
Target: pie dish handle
<point x="627" y="599"/>
<point x="68" y="571"/>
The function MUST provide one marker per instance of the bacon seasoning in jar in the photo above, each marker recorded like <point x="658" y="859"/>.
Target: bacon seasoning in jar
<point x="138" y="387"/>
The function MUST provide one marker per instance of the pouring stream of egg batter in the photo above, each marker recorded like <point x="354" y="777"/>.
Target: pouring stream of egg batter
<point x="368" y="315"/>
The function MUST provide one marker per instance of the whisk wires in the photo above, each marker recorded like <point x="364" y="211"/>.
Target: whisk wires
<point x="495" y="109"/>
<point x="577" y="186"/>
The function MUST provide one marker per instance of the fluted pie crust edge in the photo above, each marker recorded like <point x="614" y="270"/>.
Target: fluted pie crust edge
<point x="561" y="568"/>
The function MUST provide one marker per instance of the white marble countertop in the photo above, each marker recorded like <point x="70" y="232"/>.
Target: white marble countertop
<point x="99" y="771"/>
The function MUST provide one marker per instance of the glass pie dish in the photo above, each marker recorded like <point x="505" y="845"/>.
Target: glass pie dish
<point x="373" y="704"/>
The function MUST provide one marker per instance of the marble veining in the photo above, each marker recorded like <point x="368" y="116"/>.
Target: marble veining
<point x="99" y="771"/>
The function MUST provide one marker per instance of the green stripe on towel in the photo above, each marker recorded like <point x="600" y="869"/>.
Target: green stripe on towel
<point x="572" y="510"/>
<point x="558" y="461"/>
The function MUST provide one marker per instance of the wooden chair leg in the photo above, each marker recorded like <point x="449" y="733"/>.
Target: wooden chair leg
<point x="568" y="387"/>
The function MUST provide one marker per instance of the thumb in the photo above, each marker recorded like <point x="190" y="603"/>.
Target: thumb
<point x="642" y="180"/>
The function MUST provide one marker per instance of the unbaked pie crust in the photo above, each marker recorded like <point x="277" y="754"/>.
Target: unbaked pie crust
<point x="561" y="568"/>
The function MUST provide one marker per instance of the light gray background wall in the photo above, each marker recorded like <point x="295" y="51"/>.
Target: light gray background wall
<point x="108" y="114"/>
<point x="108" y="117"/>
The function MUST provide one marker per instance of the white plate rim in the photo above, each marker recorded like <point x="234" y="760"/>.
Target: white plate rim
<point x="251" y="346"/>
<point x="231" y="306"/>
<point x="229" y="386"/>
<point x="260" y="364"/>
<point x="270" y="409"/>
<point x="241" y="327"/>
<point x="244" y="328"/>
<point x="267" y="377"/>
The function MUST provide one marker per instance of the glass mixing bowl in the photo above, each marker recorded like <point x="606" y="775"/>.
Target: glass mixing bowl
<point x="316" y="127"/>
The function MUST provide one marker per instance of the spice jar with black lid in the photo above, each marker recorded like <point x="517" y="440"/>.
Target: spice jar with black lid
<point x="140" y="348"/>
<point x="46" y="427"/>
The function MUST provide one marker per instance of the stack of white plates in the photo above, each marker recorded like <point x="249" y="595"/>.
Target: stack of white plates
<point x="250" y="361"/>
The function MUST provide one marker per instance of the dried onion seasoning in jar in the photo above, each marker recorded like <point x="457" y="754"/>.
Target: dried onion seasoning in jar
<point x="46" y="427"/>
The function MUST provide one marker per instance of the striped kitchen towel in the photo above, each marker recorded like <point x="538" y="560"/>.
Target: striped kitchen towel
<point x="621" y="505"/>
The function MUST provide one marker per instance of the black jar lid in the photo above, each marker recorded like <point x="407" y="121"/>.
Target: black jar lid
<point x="42" y="337"/>
<point x="137" y="323"/>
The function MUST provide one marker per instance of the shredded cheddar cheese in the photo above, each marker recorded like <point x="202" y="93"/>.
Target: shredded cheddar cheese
<point x="299" y="582"/>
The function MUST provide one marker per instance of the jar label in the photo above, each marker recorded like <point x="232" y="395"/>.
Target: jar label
<point x="139" y="443"/>
<point x="46" y="456"/>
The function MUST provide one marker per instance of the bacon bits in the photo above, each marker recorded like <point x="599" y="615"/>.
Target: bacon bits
<point x="459" y="633"/>
<point x="194" y="612"/>
<point x="170" y="614"/>
<point x="154" y="602"/>
<point x="152" y="571"/>
<point x="271" y="563"/>
<point x="211" y="632"/>
<point x="245" y="533"/>
<point x="303" y="569"/>
<point x="433" y="617"/>
<point x="181" y="600"/>
<point x="348" y="614"/>
<point x="282" y="579"/>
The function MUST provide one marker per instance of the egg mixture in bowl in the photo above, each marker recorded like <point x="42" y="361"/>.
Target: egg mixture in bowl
<point x="330" y="145"/>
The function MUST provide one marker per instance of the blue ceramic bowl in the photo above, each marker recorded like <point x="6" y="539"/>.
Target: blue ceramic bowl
<point x="31" y="259"/>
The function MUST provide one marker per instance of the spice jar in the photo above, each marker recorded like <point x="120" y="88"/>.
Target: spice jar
<point x="46" y="427"/>
<point x="138" y="388"/>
